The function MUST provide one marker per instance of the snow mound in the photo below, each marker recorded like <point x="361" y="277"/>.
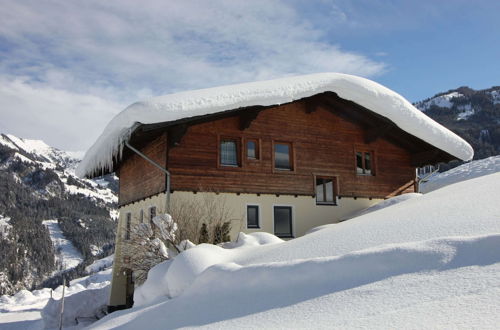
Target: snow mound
<point x="259" y="296"/>
<point x="191" y="104"/>
<point x="86" y="306"/>
<point x="474" y="169"/>
<point x="385" y="203"/>
<point x="170" y="278"/>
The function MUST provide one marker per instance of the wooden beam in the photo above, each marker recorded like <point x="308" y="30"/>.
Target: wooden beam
<point x="175" y="134"/>
<point x="311" y="105"/>
<point x="376" y="132"/>
<point x="247" y="117"/>
<point x="428" y="157"/>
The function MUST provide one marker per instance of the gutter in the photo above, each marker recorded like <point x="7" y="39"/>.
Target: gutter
<point x="158" y="166"/>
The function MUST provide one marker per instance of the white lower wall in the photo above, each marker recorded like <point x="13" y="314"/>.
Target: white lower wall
<point x="305" y="215"/>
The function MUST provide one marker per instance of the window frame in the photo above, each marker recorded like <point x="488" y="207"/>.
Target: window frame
<point x="291" y="157"/>
<point x="334" y="188"/>
<point x="372" y="162"/>
<point x="257" y="150"/>
<point x="220" y="139"/>
<point x="257" y="213"/>
<point x="292" y="220"/>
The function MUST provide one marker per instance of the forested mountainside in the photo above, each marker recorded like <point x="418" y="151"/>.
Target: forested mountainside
<point x="37" y="183"/>
<point x="472" y="114"/>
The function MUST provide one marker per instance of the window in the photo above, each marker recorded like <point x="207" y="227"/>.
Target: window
<point x="127" y="228"/>
<point x="152" y="214"/>
<point x="252" y="149"/>
<point x="364" y="163"/>
<point x="325" y="191"/>
<point x="283" y="221"/>
<point x="283" y="156"/>
<point x="252" y="216"/>
<point x="229" y="152"/>
<point x="141" y="216"/>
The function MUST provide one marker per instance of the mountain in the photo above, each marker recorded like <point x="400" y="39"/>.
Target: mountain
<point x="51" y="222"/>
<point x="472" y="114"/>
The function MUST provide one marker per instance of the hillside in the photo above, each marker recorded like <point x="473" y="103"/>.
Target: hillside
<point x="39" y="191"/>
<point x="427" y="262"/>
<point x="472" y="114"/>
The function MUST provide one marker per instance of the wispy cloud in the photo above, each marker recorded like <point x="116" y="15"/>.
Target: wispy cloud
<point x="119" y="51"/>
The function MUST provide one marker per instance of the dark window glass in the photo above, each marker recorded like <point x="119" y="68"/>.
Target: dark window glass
<point x="282" y="156"/>
<point x="283" y="221"/>
<point x="368" y="164"/>
<point x="141" y="216"/>
<point x="359" y="163"/>
<point x="252" y="216"/>
<point x="324" y="191"/>
<point x="152" y="214"/>
<point x="251" y="150"/>
<point x="127" y="230"/>
<point x="364" y="163"/>
<point x="228" y="153"/>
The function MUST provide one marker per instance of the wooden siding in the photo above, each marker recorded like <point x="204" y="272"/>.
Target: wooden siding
<point x="324" y="144"/>
<point x="140" y="179"/>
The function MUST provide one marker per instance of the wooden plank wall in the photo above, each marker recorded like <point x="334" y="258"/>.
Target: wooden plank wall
<point x="140" y="179"/>
<point x="324" y="144"/>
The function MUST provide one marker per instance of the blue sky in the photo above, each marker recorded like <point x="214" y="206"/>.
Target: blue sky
<point x="67" y="67"/>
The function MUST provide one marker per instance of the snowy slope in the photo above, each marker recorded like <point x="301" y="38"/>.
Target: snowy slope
<point x="430" y="261"/>
<point x="442" y="101"/>
<point x="362" y="91"/>
<point x="67" y="256"/>
<point x="473" y="169"/>
<point x="38" y="153"/>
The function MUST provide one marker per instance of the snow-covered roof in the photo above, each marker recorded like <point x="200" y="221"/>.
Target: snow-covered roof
<point x="172" y="107"/>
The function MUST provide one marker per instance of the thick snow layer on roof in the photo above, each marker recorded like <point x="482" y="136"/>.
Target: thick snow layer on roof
<point x="367" y="93"/>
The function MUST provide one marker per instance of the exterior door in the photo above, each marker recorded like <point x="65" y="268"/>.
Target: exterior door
<point x="283" y="221"/>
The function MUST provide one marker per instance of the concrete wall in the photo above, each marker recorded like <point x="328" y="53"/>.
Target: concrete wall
<point x="305" y="215"/>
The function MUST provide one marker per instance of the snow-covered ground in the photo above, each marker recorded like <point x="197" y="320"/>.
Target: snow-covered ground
<point x="473" y="169"/>
<point x="427" y="262"/>
<point x="23" y="311"/>
<point x="66" y="253"/>
<point x="430" y="261"/>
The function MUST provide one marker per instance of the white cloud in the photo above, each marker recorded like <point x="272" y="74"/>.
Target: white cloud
<point x="69" y="121"/>
<point x="121" y="50"/>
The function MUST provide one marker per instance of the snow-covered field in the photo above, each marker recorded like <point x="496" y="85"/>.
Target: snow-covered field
<point x="67" y="255"/>
<point x="427" y="262"/>
<point x="24" y="310"/>
<point x="430" y="261"/>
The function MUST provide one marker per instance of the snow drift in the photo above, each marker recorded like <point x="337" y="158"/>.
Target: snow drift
<point x="191" y="104"/>
<point x="430" y="261"/>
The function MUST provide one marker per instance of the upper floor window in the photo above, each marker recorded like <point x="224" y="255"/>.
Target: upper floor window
<point x="229" y="152"/>
<point x="252" y="149"/>
<point x="364" y="163"/>
<point x="141" y="216"/>
<point x="283" y="156"/>
<point x="325" y="191"/>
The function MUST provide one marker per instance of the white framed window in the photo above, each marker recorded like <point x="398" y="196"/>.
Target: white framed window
<point x="325" y="190"/>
